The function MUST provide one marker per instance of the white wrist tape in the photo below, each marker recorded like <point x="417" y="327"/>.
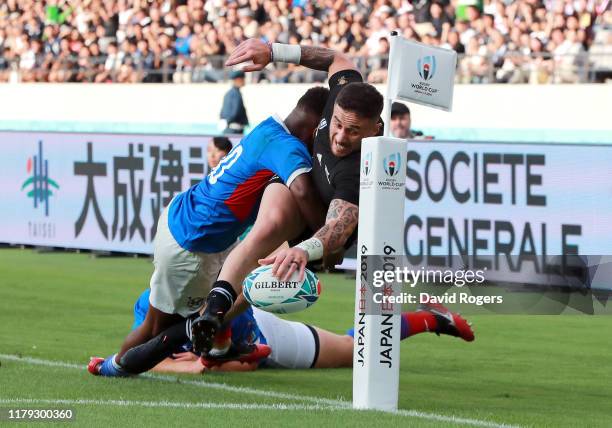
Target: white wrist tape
<point x="314" y="248"/>
<point x="286" y="53"/>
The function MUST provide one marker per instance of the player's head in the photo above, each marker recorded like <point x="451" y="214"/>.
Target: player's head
<point x="400" y="120"/>
<point x="306" y="115"/>
<point x="356" y="115"/>
<point x="220" y="147"/>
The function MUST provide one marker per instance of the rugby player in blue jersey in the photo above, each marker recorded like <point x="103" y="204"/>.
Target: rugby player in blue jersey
<point x="280" y="343"/>
<point x="200" y="227"/>
<point x="352" y="112"/>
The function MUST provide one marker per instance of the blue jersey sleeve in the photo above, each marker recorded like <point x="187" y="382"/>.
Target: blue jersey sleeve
<point x="286" y="156"/>
<point x="141" y="307"/>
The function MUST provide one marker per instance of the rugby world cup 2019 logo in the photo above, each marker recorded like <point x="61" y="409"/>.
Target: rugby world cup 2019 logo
<point x="366" y="164"/>
<point x="39" y="184"/>
<point x="426" y="66"/>
<point x="392" y="164"/>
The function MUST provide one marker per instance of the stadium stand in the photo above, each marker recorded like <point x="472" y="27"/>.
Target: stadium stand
<point x="181" y="41"/>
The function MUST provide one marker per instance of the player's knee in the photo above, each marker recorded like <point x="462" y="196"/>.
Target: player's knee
<point x="157" y="321"/>
<point x="163" y="324"/>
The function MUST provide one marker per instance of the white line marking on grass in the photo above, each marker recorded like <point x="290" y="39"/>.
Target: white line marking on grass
<point x="247" y="390"/>
<point x="228" y="406"/>
<point x="451" y="419"/>
<point x="320" y="403"/>
<point x="209" y="385"/>
<point x="174" y="404"/>
<point x="39" y="362"/>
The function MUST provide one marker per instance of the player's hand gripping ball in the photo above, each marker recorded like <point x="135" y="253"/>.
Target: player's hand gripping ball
<point x="268" y="293"/>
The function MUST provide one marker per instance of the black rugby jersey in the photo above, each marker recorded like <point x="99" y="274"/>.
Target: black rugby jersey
<point x="334" y="177"/>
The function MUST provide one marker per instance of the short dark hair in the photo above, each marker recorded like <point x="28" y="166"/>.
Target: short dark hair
<point x="362" y="99"/>
<point x="222" y="143"/>
<point x="314" y="100"/>
<point x="399" y="109"/>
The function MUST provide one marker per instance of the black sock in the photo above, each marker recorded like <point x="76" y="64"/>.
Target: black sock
<point x="221" y="298"/>
<point x="142" y="358"/>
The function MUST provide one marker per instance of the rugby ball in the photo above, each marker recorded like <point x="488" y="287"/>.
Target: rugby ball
<point x="268" y="293"/>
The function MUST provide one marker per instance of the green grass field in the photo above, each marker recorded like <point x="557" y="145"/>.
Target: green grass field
<point x="58" y="309"/>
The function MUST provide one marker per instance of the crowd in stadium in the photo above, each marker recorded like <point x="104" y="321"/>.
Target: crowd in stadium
<point x="518" y="41"/>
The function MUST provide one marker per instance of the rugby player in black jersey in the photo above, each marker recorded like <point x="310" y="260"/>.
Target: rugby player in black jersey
<point x="352" y="112"/>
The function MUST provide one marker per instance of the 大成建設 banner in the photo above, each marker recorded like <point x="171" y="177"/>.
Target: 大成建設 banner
<point x="93" y="191"/>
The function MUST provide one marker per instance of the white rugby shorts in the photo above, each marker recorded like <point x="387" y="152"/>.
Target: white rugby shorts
<point x="182" y="279"/>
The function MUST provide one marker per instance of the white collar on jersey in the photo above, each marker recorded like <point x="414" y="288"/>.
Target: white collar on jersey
<point x="277" y="118"/>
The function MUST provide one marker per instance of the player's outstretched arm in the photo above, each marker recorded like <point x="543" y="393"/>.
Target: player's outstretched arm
<point x="188" y="362"/>
<point x="308" y="201"/>
<point x="314" y="57"/>
<point x="184" y="362"/>
<point x="341" y="221"/>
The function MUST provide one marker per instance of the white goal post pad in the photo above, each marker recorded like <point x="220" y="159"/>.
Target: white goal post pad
<point x="380" y="232"/>
<point x="421" y="73"/>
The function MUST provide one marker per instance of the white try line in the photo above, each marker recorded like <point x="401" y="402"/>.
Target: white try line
<point x="319" y="403"/>
<point x="174" y="404"/>
<point x="208" y="385"/>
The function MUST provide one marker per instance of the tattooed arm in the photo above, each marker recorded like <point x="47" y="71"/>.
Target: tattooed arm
<point x="339" y="225"/>
<point x="325" y="59"/>
<point x="317" y="58"/>
<point x="342" y="217"/>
